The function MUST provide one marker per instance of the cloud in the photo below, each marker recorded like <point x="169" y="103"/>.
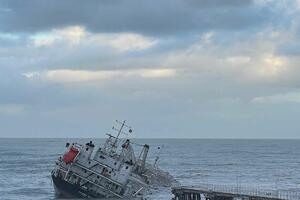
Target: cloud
<point x="144" y="17"/>
<point x="238" y="60"/>
<point x="74" y="35"/>
<point x="68" y="65"/>
<point x="292" y="97"/>
<point x="254" y="60"/>
<point x="71" y="35"/>
<point x="272" y="66"/>
<point x="77" y="48"/>
<point x="85" y="76"/>
<point x="11" y="109"/>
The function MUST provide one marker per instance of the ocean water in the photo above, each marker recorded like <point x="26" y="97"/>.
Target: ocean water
<point x="25" y="164"/>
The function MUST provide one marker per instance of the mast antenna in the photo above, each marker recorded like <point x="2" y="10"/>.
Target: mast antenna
<point x="158" y="155"/>
<point x="120" y="131"/>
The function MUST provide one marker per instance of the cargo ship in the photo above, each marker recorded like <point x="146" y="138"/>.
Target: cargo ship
<point x="113" y="170"/>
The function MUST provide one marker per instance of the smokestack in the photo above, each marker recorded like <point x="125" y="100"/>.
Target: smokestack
<point x="144" y="158"/>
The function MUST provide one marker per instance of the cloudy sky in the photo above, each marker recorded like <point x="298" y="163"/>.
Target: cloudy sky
<point x="172" y="68"/>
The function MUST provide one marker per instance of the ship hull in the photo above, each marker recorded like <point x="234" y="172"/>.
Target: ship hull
<point x="64" y="189"/>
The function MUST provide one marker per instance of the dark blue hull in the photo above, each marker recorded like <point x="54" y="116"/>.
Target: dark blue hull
<point x="64" y="189"/>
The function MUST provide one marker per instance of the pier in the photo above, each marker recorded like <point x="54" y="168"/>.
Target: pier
<point x="223" y="192"/>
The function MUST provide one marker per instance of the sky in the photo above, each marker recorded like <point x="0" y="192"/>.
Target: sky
<point x="172" y="68"/>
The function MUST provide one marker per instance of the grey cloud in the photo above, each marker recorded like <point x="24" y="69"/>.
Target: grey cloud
<point x="207" y="106"/>
<point x="154" y="109"/>
<point x="208" y="97"/>
<point x="289" y="49"/>
<point x="147" y="17"/>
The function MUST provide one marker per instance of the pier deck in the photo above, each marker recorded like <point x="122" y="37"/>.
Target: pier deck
<point x="213" y="192"/>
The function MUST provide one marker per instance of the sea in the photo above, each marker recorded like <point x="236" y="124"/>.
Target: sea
<point x="26" y="164"/>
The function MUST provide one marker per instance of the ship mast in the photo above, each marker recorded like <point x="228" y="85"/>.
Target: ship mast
<point x="115" y="143"/>
<point x="119" y="132"/>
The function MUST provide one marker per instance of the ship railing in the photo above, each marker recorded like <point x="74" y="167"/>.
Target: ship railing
<point x="99" y="174"/>
<point x="103" y="165"/>
<point x="280" y="194"/>
<point x="92" y="182"/>
<point x="137" y="192"/>
<point x="90" y="170"/>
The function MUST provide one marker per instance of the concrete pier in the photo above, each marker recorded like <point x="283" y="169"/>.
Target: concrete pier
<point x="213" y="192"/>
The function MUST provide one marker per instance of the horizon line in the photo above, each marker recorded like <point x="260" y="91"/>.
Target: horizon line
<point x="165" y="138"/>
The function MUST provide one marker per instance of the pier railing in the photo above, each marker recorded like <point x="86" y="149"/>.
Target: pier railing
<point x="280" y="194"/>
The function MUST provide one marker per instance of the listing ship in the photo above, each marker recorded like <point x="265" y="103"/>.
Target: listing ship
<point x="110" y="171"/>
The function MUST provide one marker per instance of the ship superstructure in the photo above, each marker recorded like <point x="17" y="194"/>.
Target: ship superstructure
<point x="110" y="171"/>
